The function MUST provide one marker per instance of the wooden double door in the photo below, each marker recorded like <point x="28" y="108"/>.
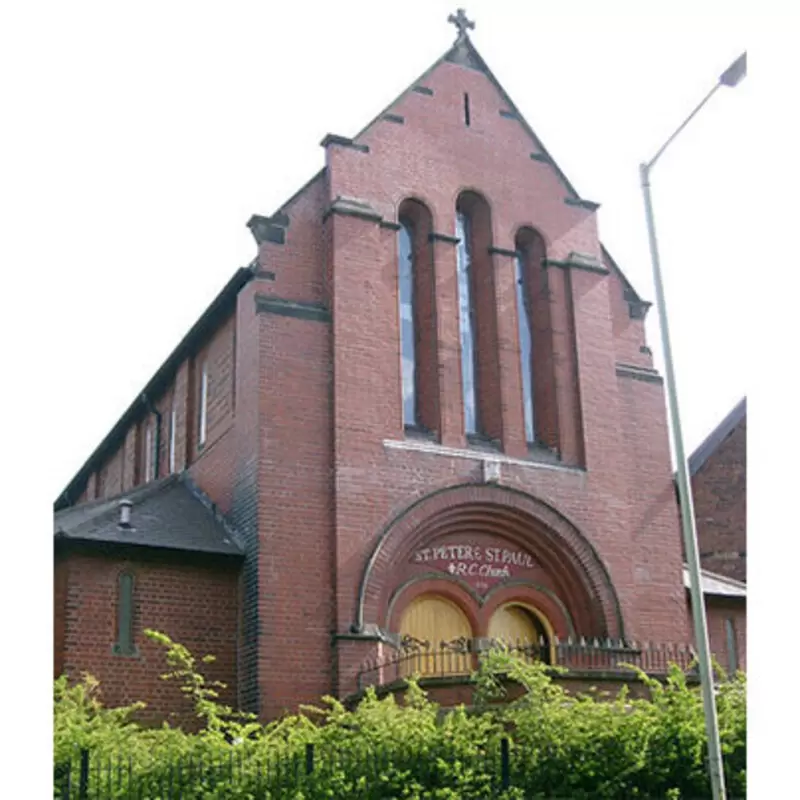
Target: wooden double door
<point x="437" y="634"/>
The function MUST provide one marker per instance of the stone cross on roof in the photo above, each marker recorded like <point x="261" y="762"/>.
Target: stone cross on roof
<point x="459" y="19"/>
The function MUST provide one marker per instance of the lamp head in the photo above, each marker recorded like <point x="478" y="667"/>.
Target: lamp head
<point x="735" y="72"/>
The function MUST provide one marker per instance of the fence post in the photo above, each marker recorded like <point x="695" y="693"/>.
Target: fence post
<point x="83" y="780"/>
<point x="505" y="765"/>
<point x="309" y="758"/>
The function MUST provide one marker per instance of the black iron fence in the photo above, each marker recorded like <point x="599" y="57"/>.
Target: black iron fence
<point x="499" y="768"/>
<point x="462" y="657"/>
<point x="312" y="772"/>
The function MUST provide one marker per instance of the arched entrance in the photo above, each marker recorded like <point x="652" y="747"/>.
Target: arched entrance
<point x="488" y="540"/>
<point x="435" y="635"/>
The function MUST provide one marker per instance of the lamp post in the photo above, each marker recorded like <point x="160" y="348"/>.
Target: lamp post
<point x="731" y="77"/>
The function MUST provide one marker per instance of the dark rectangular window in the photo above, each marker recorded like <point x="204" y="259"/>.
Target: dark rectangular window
<point x="466" y="109"/>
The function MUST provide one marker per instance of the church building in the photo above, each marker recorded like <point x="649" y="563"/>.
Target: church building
<point x="423" y="419"/>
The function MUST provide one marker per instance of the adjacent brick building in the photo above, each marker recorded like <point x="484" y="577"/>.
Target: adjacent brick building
<point x="719" y="485"/>
<point x="423" y="418"/>
<point x="718" y="469"/>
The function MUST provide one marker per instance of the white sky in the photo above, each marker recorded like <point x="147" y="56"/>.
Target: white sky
<point x="176" y="121"/>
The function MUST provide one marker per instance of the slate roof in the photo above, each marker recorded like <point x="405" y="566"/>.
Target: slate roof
<point x="716" y="584"/>
<point x="169" y="514"/>
<point x="717" y="437"/>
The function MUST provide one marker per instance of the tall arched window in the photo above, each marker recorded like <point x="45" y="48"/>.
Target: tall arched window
<point x="417" y="318"/>
<point x="407" y="323"/>
<point x="537" y="366"/>
<point x="525" y="346"/>
<point x="477" y="307"/>
<point x="466" y="322"/>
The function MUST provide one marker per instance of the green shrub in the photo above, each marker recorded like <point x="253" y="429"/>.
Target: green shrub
<point x="560" y="746"/>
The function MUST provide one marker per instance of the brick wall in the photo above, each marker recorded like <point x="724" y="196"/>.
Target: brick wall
<point x="195" y="605"/>
<point x="720" y="504"/>
<point x="292" y="392"/>
<point x="60" y="586"/>
<point x="212" y="465"/>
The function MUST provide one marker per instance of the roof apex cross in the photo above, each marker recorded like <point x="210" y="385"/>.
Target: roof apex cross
<point x="459" y="19"/>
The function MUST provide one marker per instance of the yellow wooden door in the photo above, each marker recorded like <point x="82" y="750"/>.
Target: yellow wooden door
<point x="434" y="629"/>
<point x="516" y="626"/>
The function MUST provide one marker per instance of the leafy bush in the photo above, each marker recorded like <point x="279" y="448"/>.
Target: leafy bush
<point x="560" y="746"/>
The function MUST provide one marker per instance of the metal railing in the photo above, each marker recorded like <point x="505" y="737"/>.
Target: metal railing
<point x="462" y="657"/>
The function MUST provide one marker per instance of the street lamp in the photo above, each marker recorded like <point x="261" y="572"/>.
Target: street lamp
<point x="731" y="77"/>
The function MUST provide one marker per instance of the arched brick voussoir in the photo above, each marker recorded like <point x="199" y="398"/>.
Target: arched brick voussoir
<point x="516" y="514"/>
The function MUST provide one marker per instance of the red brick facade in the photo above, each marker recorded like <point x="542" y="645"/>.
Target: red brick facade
<point x="306" y="450"/>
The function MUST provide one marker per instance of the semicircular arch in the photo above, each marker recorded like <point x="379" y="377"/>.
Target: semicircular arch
<point x="519" y="518"/>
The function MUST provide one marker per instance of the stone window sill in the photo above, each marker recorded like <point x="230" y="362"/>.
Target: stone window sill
<point x="422" y="445"/>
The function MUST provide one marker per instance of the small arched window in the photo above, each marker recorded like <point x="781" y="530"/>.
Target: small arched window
<point x="417" y="318"/>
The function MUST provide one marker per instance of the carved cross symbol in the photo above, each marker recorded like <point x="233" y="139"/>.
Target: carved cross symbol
<point x="459" y="19"/>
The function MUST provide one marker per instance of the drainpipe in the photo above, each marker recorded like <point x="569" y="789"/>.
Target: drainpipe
<point x="148" y="404"/>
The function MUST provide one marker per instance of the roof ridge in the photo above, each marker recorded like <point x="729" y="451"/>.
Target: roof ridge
<point x="738" y="588"/>
<point x="484" y="67"/>
<point x="134" y="493"/>
<point x="714" y="439"/>
<point x="156" y="384"/>
<point x="199" y="495"/>
<point x="720" y="577"/>
<point x="467" y="42"/>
